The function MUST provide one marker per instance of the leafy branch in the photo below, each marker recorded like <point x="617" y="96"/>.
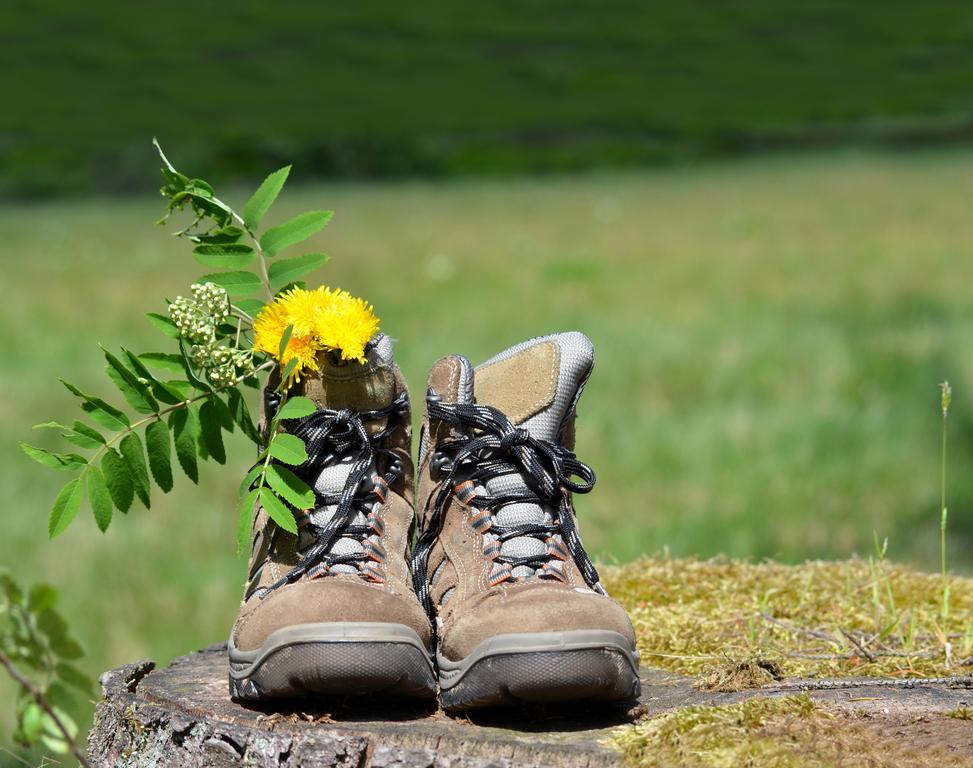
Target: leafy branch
<point x="214" y="358"/>
<point x="34" y="635"/>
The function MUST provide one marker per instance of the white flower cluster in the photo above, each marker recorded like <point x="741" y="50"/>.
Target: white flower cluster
<point x="197" y="320"/>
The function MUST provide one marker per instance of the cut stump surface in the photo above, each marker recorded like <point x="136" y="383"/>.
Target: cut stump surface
<point x="182" y="716"/>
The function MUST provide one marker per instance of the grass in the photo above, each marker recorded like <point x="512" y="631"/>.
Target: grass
<point x="770" y="336"/>
<point x="377" y="89"/>
<point x="789" y="732"/>
<point x="739" y="624"/>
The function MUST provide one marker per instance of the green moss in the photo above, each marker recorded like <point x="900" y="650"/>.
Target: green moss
<point x="783" y="732"/>
<point x="720" y="618"/>
<point x="961" y="713"/>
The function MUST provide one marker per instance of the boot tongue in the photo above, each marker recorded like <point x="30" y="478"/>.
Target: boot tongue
<point x="536" y="384"/>
<point x="356" y="386"/>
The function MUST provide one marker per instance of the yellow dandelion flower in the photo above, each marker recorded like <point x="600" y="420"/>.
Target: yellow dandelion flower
<point x="346" y="324"/>
<point x="321" y="320"/>
<point x="269" y="326"/>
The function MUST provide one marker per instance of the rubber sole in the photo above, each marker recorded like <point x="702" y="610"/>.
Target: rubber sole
<point x="335" y="659"/>
<point x="510" y="669"/>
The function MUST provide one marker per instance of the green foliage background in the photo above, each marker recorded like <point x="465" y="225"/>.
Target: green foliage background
<point x="388" y="89"/>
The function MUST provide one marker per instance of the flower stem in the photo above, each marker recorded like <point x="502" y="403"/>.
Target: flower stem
<point x="946" y="398"/>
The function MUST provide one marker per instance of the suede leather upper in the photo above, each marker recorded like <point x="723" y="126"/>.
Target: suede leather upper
<point x="339" y="597"/>
<point x="468" y="609"/>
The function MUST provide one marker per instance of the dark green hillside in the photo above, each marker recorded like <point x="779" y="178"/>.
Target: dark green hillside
<point x="382" y="88"/>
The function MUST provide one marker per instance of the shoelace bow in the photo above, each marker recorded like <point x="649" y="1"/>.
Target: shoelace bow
<point x="330" y="436"/>
<point x="491" y="446"/>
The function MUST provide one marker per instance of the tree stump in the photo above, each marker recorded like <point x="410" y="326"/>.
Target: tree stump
<point x="183" y="716"/>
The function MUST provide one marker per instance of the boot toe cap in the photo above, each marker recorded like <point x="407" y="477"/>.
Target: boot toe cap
<point x="333" y="599"/>
<point x="532" y="609"/>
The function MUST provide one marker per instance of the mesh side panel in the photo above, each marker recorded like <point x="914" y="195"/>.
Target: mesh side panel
<point x="331" y="480"/>
<point x="381" y="352"/>
<point x="438" y="572"/>
<point x="577" y="358"/>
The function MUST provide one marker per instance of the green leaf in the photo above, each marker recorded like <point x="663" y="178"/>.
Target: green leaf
<point x="108" y="416"/>
<point x="263" y="198"/>
<point x="251" y="306"/>
<point x="52" y="737"/>
<point x="220" y="236"/>
<point x="277" y="511"/>
<point x="54" y="460"/>
<point x="84" y="436"/>
<point x="285" y="339"/>
<point x="211" y="431"/>
<point x="288" y="270"/>
<point x="241" y="415"/>
<point x="59" y="695"/>
<point x="41" y="597"/>
<point x="164" y="361"/>
<point x="288" y="449"/>
<point x="290" y="487"/>
<point x="296" y="407"/>
<point x="223" y="411"/>
<point x="158" y="447"/>
<point x="133" y="390"/>
<point x="236" y="283"/>
<point x="286" y="373"/>
<point x="250" y="478"/>
<point x="99" y="498"/>
<point x="31" y="721"/>
<point x="229" y="256"/>
<point x="71" y="675"/>
<point x="164" y="324"/>
<point x="118" y="478"/>
<point x="131" y="448"/>
<point x="49" y="425"/>
<point x="135" y="363"/>
<point x="184" y="436"/>
<point x="290" y="287"/>
<point x="293" y="231"/>
<point x="65" y="507"/>
<point x="244" y="526"/>
<point x="161" y="390"/>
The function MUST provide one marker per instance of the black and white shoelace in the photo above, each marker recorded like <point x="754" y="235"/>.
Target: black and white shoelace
<point x="489" y="447"/>
<point x="333" y="437"/>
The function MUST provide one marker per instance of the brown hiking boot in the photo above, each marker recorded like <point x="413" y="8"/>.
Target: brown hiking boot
<point x="520" y="613"/>
<point x="332" y="610"/>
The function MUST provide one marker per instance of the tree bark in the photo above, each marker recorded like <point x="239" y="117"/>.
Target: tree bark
<point x="183" y="716"/>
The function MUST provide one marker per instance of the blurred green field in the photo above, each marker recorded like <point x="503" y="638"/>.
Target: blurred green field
<point x="769" y="335"/>
<point x="387" y="89"/>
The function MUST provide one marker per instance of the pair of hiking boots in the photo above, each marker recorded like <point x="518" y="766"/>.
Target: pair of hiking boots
<point x="493" y="596"/>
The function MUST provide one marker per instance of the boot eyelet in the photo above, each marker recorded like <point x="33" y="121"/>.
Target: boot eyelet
<point x="440" y="465"/>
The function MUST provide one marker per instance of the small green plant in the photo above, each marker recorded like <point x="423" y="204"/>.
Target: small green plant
<point x="247" y="319"/>
<point x="38" y="653"/>
<point x="946" y="397"/>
